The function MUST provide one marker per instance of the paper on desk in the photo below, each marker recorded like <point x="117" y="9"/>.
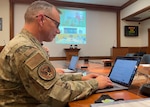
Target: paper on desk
<point x="130" y="103"/>
<point x="145" y="65"/>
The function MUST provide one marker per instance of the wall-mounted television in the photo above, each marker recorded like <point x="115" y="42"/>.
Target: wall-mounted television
<point x="131" y="31"/>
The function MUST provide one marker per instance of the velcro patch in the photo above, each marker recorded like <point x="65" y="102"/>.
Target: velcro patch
<point x="34" y="61"/>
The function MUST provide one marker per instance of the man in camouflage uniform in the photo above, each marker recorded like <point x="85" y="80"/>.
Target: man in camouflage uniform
<point x="26" y="74"/>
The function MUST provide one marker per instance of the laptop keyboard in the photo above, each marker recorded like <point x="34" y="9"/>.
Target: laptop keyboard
<point x="68" y="71"/>
<point x="114" y="86"/>
<point x="108" y="87"/>
<point x="84" y="72"/>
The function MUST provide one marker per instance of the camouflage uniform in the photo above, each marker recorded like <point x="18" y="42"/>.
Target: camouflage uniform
<point x="27" y="76"/>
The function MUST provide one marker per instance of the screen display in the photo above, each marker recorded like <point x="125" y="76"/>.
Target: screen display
<point x="72" y="27"/>
<point x="73" y="62"/>
<point x="131" y="30"/>
<point x="123" y="70"/>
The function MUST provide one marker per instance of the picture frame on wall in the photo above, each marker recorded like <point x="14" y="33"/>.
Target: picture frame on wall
<point x="0" y="24"/>
<point x="131" y="31"/>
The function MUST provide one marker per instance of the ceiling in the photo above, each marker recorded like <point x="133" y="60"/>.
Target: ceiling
<point x="139" y="16"/>
<point x="100" y="2"/>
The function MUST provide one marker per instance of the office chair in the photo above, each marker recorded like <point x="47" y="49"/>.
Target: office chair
<point x="130" y="54"/>
<point x="145" y="59"/>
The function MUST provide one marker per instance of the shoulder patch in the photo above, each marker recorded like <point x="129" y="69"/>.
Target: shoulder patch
<point x="46" y="72"/>
<point x="34" y="61"/>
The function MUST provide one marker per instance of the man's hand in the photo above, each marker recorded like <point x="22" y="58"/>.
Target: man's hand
<point x="103" y="81"/>
<point x="90" y="76"/>
<point x="59" y="70"/>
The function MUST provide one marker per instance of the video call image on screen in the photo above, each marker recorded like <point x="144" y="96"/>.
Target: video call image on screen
<point x="72" y="27"/>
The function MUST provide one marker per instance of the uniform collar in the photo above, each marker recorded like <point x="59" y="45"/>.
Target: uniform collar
<point x="30" y="36"/>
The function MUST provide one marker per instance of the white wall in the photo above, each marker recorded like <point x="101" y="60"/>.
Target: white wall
<point x="144" y="32"/>
<point x="101" y="29"/>
<point x="141" y="40"/>
<point x="4" y="14"/>
<point x="101" y="33"/>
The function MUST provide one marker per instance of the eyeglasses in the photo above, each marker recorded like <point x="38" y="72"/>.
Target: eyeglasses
<point x="55" y="22"/>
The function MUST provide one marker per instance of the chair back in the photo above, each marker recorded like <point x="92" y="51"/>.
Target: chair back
<point x="130" y="54"/>
<point x="145" y="59"/>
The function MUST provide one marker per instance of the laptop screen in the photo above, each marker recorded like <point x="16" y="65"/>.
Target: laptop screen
<point x="124" y="70"/>
<point x="73" y="62"/>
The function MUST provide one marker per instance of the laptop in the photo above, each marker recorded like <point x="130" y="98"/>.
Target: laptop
<point x="72" y="65"/>
<point x="122" y="73"/>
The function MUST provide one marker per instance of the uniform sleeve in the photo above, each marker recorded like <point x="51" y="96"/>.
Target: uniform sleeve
<point x="71" y="77"/>
<point x="42" y="82"/>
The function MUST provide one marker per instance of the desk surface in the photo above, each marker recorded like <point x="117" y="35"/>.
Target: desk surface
<point x="116" y="95"/>
<point x="98" y="67"/>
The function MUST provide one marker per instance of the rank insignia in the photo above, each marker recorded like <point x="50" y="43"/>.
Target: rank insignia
<point x="46" y="72"/>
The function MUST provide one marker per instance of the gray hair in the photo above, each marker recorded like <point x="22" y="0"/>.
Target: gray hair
<point x="36" y="7"/>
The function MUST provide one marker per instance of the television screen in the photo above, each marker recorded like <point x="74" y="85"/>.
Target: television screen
<point x="72" y="27"/>
<point x="131" y="30"/>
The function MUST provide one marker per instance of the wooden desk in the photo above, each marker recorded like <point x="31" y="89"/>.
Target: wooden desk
<point x="107" y="62"/>
<point x="118" y="94"/>
<point x="132" y="93"/>
<point x="70" y="52"/>
<point x="144" y="69"/>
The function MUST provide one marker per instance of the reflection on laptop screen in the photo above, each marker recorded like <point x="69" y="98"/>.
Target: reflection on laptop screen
<point x="73" y="62"/>
<point x="123" y="70"/>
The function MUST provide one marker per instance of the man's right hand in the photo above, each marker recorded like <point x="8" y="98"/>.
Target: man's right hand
<point x="103" y="81"/>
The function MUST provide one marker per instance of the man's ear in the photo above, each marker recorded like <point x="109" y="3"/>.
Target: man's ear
<point x="41" y="20"/>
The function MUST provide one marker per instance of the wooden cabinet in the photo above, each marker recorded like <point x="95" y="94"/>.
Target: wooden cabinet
<point x="70" y="52"/>
<point x="119" y="52"/>
<point x="122" y="51"/>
